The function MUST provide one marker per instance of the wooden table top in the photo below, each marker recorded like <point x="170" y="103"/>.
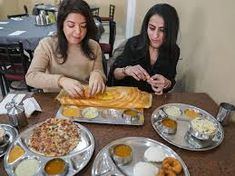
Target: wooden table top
<point x="218" y="161"/>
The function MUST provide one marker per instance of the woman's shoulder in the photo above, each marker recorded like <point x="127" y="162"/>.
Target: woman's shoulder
<point x="93" y="43"/>
<point x="49" y="42"/>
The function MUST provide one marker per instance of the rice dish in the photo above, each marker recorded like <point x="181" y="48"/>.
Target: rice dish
<point x="143" y="168"/>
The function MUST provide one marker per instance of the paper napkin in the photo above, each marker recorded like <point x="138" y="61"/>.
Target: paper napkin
<point x="17" y="33"/>
<point x="31" y="105"/>
<point x="17" y="98"/>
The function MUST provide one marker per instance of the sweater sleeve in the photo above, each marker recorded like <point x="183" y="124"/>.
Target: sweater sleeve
<point x="98" y="64"/>
<point x="37" y="75"/>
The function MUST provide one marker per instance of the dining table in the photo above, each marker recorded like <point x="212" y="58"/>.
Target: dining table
<point x="217" y="162"/>
<point x="26" y="31"/>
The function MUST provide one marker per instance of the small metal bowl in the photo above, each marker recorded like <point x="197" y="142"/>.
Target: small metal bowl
<point x="192" y="113"/>
<point x="131" y="116"/>
<point x="168" y="125"/>
<point x="111" y="113"/>
<point x="172" y="111"/>
<point x="4" y="143"/>
<point x="119" y="156"/>
<point x="49" y="168"/>
<point x="90" y="113"/>
<point x="200" y="135"/>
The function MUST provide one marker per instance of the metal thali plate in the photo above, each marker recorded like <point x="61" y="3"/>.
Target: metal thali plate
<point x="77" y="159"/>
<point x="105" y="166"/>
<point x="182" y="137"/>
<point x="106" y="116"/>
<point x="11" y="133"/>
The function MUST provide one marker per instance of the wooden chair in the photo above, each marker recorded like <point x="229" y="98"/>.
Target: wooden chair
<point x="111" y="14"/>
<point x="107" y="48"/>
<point x="13" y="66"/>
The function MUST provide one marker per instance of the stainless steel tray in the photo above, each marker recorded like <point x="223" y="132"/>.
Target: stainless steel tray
<point x="104" y="165"/>
<point x="182" y="138"/>
<point x="11" y="132"/>
<point x="76" y="159"/>
<point x="115" y="117"/>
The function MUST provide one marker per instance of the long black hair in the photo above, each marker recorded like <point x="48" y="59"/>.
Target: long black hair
<point x="171" y="21"/>
<point x="81" y="7"/>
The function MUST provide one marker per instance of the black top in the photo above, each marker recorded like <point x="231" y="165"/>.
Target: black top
<point x="133" y="55"/>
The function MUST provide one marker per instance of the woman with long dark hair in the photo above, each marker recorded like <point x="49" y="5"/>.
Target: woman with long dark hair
<point x="71" y="58"/>
<point x="149" y="59"/>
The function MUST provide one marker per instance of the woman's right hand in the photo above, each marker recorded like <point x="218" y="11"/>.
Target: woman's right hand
<point x="137" y="72"/>
<point x="73" y="87"/>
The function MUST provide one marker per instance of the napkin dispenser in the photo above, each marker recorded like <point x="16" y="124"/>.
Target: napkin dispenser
<point x="16" y="115"/>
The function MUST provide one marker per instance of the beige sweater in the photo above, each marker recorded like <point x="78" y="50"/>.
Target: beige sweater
<point x="44" y="70"/>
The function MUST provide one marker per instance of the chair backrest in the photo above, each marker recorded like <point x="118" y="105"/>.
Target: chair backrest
<point x="107" y="48"/>
<point x="111" y="11"/>
<point x="12" y="59"/>
<point x="95" y="11"/>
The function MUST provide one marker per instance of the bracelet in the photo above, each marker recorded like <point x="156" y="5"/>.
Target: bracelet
<point x="124" y="70"/>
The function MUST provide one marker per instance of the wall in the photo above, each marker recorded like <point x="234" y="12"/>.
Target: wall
<point x="207" y="45"/>
<point x="8" y="7"/>
<point x="120" y="11"/>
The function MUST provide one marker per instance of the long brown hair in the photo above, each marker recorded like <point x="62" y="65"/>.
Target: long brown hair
<point x="81" y="7"/>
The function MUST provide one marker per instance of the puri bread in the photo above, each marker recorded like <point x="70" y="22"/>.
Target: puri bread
<point x="144" y="168"/>
<point x="154" y="154"/>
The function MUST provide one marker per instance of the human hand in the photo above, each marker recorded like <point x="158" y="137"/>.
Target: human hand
<point x="96" y="84"/>
<point x="73" y="87"/>
<point x="137" y="72"/>
<point x="158" y="83"/>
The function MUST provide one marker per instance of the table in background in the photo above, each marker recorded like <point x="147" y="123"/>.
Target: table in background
<point x="217" y="162"/>
<point x="30" y="38"/>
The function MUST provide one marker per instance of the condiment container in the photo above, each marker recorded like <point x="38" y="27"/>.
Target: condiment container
<point x="202" y="129"/>
<point x="168" y="126"/>
<point x="4" y="140"/>
<point x="121" y="153"/>
<point x="130" y="116"/>
<point x="16" y="115"/>
<point x="56" y="167"/>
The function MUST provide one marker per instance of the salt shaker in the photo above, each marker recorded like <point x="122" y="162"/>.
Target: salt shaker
<point x="16" y="115"/>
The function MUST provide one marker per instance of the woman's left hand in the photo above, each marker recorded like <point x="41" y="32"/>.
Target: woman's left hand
<point x="96" y="83"/>
<point x="158" y="83"/>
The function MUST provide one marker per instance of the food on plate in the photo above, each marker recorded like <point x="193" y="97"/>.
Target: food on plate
<point x="122" y="153"/>
<point x="144" y="168"/>
<point x="27" y="167"/>
<point x="172" y="111"/>
<point x="113" y="97"/>
<point x="55" y="166"/>
<point x="131" y="115"/>
<point x="15" y="153"/>
<point x="55" y="137"/>
<point x="166" y="172"/>
<point x="90" y="113"/>
<point x="192" y="113"/>
<point x="171" y="164"/>
<point x="71" y="111"/>
<point x="169" y="125"/>
<point x="122" y="150"/>
<point x="203" y="126"/>
<point x="154" y="154"/>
